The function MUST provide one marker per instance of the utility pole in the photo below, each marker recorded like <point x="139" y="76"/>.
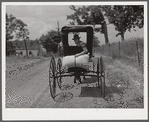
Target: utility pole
<point x="105" y="33"/>
<point x="58" y="27"/>
<point x="58" y="35"/>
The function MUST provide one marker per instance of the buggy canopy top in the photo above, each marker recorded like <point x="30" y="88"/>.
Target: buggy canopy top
<point x="78" y="28"/>
<point x="70" y="50"/>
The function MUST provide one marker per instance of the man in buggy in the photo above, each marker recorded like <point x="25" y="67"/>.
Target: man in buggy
<point x="79" y="43"/>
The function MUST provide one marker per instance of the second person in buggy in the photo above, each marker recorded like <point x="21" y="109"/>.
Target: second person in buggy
<point x="79" y="43"/>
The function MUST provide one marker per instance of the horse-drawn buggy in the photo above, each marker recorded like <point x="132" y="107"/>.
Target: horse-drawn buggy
<point x="92" y="67"/>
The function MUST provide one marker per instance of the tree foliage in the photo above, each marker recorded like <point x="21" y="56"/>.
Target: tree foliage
<point x="15" y="29"/>
<point x="125" y="18"/>
<point x="96" y="42"/>
<point x="93" y="15"/>
<point x="10" y="27"/>
<point x="48" y="41"/>
<point x="21" y="30"/>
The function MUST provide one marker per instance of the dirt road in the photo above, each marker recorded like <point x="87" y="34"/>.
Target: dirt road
<point x="27" y="86"/>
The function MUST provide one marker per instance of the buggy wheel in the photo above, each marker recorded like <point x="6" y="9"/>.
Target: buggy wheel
<point x="59" y="71"/>
<point x="102" y="78"/>
<point x="52" y="78"/>
<point x="93" y="66"/>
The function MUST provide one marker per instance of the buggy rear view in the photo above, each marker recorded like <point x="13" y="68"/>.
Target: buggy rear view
<point x="71" y="66"/>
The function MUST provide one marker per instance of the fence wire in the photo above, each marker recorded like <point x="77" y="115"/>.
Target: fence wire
<point x="128" y="50"/>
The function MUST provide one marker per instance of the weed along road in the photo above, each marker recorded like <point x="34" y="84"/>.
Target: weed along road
<point x="27" y="86"/>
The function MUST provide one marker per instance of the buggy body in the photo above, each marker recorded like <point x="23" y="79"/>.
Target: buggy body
<point x="56" y="71"/>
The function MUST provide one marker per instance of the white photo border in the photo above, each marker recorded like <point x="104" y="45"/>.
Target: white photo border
<point x="75" y="114"/>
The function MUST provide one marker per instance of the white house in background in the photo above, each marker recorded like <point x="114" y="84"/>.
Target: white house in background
<point x="32" y="52"/>
<point x="22" y="52"/>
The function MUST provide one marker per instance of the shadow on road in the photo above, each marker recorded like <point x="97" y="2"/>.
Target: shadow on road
<point x="96" y="91"/>
<point x="89" y="80"/>
<point x="90" y="92"/>
<point x="113" y="89"/>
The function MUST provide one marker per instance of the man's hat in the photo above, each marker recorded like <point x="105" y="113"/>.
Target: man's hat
<point x="75" y="36"/>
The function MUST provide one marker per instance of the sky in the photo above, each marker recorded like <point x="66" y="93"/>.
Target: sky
<point x="42" y="18"/>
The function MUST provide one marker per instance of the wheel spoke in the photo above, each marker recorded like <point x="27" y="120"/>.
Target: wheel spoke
<point x="50" y="73"/>
<point x="52" y="79"/>
<point x="59" y="65"/>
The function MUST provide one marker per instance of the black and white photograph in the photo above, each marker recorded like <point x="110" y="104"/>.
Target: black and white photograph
<point x="74" y="60"/>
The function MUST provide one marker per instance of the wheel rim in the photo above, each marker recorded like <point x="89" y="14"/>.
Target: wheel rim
<point x="52" y="78"/>
<point x="59" y="66"/>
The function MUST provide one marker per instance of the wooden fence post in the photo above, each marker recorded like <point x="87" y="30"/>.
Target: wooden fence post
<point x="119" y="48"/>
<point x="138" y="53"/>
<point x="109" y="49"/>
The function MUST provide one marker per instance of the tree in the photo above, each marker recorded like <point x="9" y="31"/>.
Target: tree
<point x="98" y="15"/>
<point x="21" y="30"/>
<point x="22" y="33"/>
<point x="125" y="18"/>
<point x="95" y="41"/>
<point x="10" y="28"/>
<point x="48" y="41"/>
<point x="17" y="29"/>
<point x="93" y="15"/>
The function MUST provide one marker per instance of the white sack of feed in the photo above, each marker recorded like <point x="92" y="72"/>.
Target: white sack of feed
<point x="83" y="59"/>
<point x="68" y="61"/>
<point x="71" y="61"/>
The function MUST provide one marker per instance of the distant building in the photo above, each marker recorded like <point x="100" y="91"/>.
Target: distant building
<point x="34" y="48"/>
<point x="22" y="52"/>
<point x="32" y="52"/>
